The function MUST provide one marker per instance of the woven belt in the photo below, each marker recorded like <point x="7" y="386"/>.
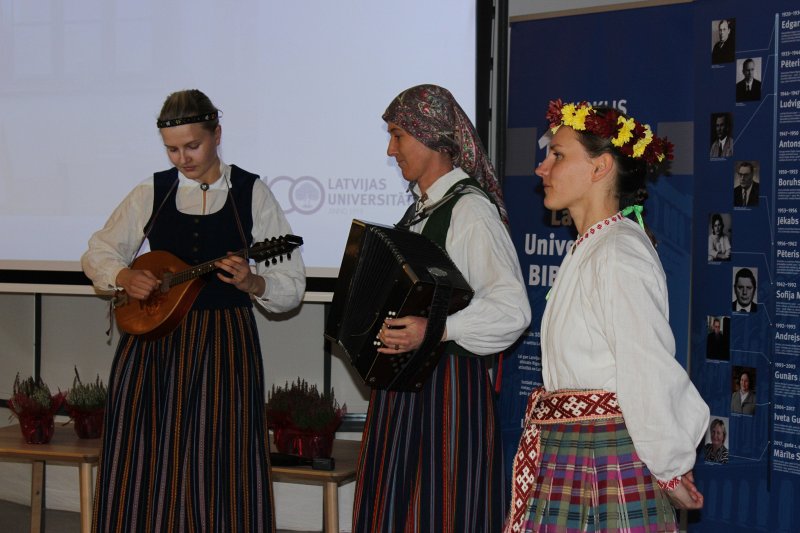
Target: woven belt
<point x="546" y="409"/>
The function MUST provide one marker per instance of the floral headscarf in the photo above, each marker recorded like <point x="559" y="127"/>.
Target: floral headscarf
<point x="432" y="116"/>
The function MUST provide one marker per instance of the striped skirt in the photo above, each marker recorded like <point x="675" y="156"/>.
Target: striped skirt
<point x="431" y="460"/>
<point x="591" y="479"/>
<point x="185" y="440"/>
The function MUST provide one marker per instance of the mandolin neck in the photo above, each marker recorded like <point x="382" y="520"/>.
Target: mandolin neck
<point x="197" y="270"/>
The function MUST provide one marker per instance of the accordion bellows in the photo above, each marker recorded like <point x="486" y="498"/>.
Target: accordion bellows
<point x="390" y="272"/>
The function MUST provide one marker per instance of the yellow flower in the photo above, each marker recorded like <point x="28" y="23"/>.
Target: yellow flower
<point x="575" y="117"/>
<point x="641" y="144"/>
<point x="567" y="114"/>
<point x="625" y="132"/>
<point x="579" y="123"/>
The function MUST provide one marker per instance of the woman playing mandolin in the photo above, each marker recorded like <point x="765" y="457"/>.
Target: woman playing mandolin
<point x="185" y="443"/>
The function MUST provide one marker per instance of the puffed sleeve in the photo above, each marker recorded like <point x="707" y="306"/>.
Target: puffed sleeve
<point x="664" y="413"/>
<point x="285" y="280"/>
<point x="113" y="247"/>
<point x="481" y="248"/>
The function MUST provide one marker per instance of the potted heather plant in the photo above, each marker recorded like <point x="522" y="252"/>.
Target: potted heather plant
<point x="34" y="406"/>
<point x="86" y="403"/>
<point x="302" y="419"/>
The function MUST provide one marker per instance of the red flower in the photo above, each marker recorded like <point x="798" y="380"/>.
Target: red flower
<point x="603" y="126"/>
<point x="553" y="115"/>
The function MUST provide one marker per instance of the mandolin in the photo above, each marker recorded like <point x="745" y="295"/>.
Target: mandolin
<point x="166" y="306"/>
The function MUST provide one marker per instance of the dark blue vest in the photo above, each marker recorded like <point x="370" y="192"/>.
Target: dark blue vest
<point x="196" y="239"/>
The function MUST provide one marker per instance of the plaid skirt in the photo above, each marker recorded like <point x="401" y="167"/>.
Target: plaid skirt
<point x="591" y="479"/>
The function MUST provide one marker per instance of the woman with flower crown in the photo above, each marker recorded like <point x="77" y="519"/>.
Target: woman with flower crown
<point x="610" y="440"/>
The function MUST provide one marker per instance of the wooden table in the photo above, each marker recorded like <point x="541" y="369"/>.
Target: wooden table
<point x="345" y="453"/>
<point x="65" y="449"/>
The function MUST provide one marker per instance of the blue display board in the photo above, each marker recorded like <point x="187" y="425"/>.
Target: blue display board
<point x="619" y="60"/>
<point x="727" y="219"/>
<point x="733" y="489"/>
<point x="751" y="384"/>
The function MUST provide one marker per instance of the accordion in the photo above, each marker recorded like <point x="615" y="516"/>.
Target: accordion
<point x="387" y="273"/>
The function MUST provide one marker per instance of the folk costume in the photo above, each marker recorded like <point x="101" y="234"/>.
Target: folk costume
<point x="618" y="421"/>
<point x="185" y="441"/>
<point x="431" y="460"/>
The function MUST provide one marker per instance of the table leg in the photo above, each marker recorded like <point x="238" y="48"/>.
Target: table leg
<point x="86" y="497"/>
<point x="330" y="507"/>
<point x="37" y="496"/>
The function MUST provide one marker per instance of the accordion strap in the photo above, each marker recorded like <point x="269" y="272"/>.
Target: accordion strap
<point x="412" y="216"/>
<point x="437" y="317"/>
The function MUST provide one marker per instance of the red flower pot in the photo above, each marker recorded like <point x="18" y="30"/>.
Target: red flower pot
<point x="36" y="429"/>
<point x="308" y="444"/>
<point x="88" y="424"/>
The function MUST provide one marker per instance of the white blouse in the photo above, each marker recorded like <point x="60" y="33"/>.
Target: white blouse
<point x="479" y="244"/>
<point x="606" y="326"/>
<point x="114" y="246"/>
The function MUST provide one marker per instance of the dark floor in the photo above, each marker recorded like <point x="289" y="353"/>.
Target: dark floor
<point x="16" y="518"/>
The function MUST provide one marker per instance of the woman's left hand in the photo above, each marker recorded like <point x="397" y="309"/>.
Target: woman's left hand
<point x="686" y="495"/>
<point x="240" y="275"/>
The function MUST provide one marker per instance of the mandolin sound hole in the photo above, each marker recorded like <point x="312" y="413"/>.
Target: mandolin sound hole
<point x="153" y="303"/>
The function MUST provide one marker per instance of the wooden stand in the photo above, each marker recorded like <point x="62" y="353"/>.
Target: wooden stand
<point x="65" y="449"/>
<point x="345" y="453"/>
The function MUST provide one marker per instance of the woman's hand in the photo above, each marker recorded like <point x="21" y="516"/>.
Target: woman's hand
<point x="138" y="284"/>
<point x="400" y="335"/>
<point x="240" y="275"/>
<point x="686" y="495"/>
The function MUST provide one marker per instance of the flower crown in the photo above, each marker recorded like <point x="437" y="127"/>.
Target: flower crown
<point x="632" y="138"/>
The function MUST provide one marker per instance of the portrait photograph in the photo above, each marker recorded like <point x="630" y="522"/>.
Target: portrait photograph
<point x="743" y="385"/>
<point x="721" y="138"/>
<point x="716" y="441"/>
<point x="746" y="187"/>
<point x="723" y="41"/>
<point x="748" y="79"/>
<point x="719" y="237"/>
<point x="745" y="289"/>
<point x="718" y="338"/>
